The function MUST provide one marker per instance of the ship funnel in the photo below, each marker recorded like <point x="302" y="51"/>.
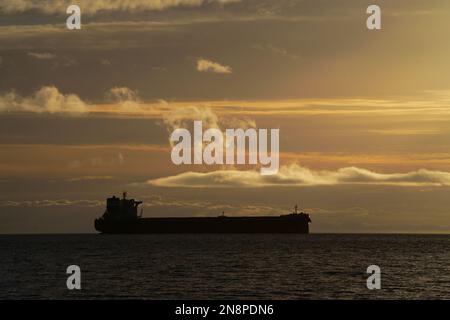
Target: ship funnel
<point x="124" y="194"/>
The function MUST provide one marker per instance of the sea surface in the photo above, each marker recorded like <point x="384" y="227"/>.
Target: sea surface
<point x="265" y="266"/>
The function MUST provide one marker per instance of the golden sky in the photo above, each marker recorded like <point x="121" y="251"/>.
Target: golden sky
<point x="363" y="115"/>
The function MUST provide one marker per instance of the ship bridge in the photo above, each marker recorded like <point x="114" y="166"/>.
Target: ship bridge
<point x="121" y="209"/>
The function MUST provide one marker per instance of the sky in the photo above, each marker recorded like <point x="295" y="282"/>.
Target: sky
<point x="364" y="115"/>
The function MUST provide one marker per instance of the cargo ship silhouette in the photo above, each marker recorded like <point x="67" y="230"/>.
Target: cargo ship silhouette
<point x="121" y="217"/>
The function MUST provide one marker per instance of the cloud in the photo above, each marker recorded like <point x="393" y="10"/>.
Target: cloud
<point x="42" y="56"/>
<point x="105" y="62"/>
<point x="205" y="208"/>
<point x="276" y="50"/>
<point x="120" y="94"/>
<point x="117" y="160"/>
<point x="49" y="99"/>
<point x="46" y="100"/>
<point x="92" y="7"/>
<point x="51" y="203"/>
<point x="89" y="178"/>
<point x="409" y="106"/>
<point x="183" y="117"/>
<point x="126" y="99"/>
<point x="295" y="176"/>
<point x="204" y="65"/>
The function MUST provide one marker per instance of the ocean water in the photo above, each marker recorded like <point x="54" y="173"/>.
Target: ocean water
<point x="315" y="266"/>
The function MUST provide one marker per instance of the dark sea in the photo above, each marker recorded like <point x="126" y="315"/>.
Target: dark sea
<point x="315" y="266"/>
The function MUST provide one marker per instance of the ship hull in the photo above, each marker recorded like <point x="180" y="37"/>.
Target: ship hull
<point x="282" y="224"/>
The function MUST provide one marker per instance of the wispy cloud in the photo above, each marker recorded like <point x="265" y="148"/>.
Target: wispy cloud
<point x="105" y="62"/>
<point x="295" y="176"/>
<point x="119" y="159"/>
<point x="126" y="99"/>
<point x="51" y="203"/>
<point x="89" y="178"/>
<point x="184" y="117"/>
<point x="92" y="7"/>
<point x="204" y="65"/>
<point x="203" y="208"/>
<point x="42" y="55"/>
<point x="431" y="105"/>
<point x="276" y="50"/>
